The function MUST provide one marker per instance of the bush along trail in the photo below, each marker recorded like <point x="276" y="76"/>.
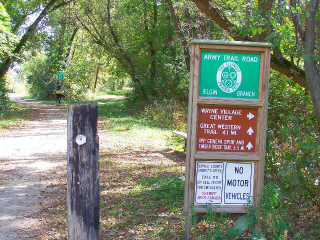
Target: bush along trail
<point x="141" y="180"/>
<point x="141" y="177"/>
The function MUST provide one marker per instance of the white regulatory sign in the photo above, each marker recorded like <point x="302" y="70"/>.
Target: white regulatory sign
<point x="224" y="183"/>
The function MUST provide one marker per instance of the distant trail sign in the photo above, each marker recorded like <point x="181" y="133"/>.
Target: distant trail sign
<point x="60" y="76"/>
<point x="227" y="121"/>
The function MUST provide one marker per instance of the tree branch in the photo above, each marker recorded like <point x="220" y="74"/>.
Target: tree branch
<point x="183" y="40"/>
<point x="278" y="62"/>
<point x="71" y="41"/>
<point x="126" y="56"/>
<point x="60" y="5"/>
<point x="95" y="38"/>
<point x="4" y="67"/>
<point x="295" y="20"/>
<point x="265" y="6"/>
<point x="94" y="26"/>
<point x="207" y="8"/>
<point x="310" y="64"/>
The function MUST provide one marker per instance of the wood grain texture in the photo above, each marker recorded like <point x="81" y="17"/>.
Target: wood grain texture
<point x="83" y="173"/>
<point x="232" y="43"/>
<point x="187" y="203"/>
<point x="230" y="102"/>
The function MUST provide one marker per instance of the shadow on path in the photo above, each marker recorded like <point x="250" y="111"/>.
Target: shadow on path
<point x="27" y="153"/>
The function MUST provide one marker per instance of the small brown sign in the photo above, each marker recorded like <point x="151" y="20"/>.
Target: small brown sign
<point x="225" y="129"/>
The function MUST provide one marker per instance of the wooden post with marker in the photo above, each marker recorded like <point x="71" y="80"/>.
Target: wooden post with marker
<point x="83" y="173"/>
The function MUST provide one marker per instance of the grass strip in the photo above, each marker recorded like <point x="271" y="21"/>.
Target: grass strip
<point x="16" y="112"/>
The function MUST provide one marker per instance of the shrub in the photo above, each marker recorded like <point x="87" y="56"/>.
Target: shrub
<point x="290" y="206"/>
<point x="167" y="114"/>
<point x="4" y="106"/>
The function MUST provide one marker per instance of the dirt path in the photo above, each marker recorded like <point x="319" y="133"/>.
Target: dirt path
<point x="27" y="153"/>
<point x="33" y="180"/>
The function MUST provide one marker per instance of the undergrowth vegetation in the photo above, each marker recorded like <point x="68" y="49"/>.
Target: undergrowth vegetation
<point x="290" y="206"/>
<point x="142" y="176"/>
<point x="167" y="114"/>
<point x="292" y="163"/>
<point x="11" y="112"/>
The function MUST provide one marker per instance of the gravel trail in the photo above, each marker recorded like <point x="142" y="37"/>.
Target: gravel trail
<point x="27" y="152"/>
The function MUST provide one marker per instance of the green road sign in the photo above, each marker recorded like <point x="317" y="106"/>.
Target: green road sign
<point x="229" y="75"/>
<point x="60" y="75"/>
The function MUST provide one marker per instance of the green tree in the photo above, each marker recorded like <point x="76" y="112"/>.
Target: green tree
<point x="189" y="24"/>
<point x="136" y="33"/>
<point x="81" y="67"/>
<point x="40" y="77"/>
<point x="290" y="26"/>
<point x="19" y="11"/>
<point x="7" y="40"/>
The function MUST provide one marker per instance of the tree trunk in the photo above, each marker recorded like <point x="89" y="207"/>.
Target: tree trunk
<point x="153" y="51"/>
<point x="191" y="29"/>
<point x="278" y="62"/>
<point x="310" y="65"/>
<point x="96" y="79"/>
<point x="7" y="62"/>
<point x="183" y="40"/>
<point x="126" y="55"/>
<point x="201" y="22"/>
<point x="4" y="67"/>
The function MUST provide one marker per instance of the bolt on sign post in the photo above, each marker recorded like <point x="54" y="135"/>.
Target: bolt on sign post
<point x="83" y="173"/>
<point x="227" y="121"/>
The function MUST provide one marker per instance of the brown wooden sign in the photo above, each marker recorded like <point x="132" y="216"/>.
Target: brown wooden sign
<point x="227" y="121"/>
<point x="225" y="129"/>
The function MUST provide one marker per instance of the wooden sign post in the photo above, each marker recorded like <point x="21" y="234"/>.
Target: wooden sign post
<point x="83" y="173"/>
<point x="227" y="121"/>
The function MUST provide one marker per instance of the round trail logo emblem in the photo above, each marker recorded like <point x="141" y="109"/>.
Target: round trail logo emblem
<point x="229" y="77"/>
